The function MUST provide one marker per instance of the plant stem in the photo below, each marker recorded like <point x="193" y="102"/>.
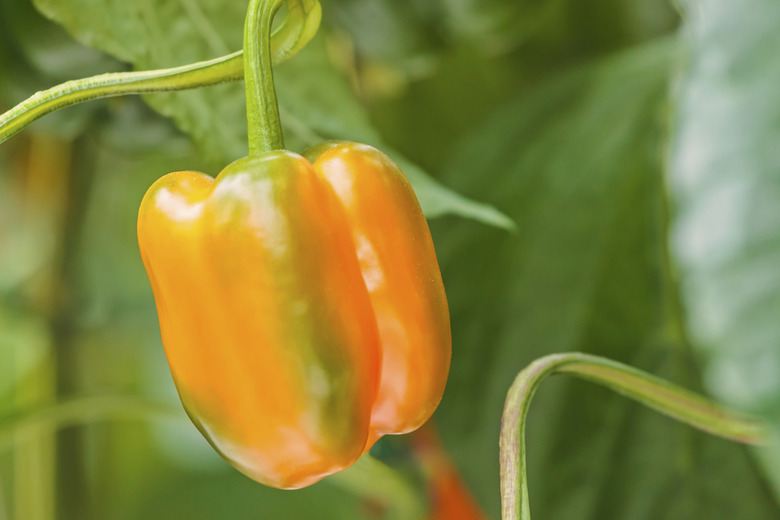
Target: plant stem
<point x="33" y="456"/>
<point x="656" y="393"/>
<point x="226" y="68"/>
<point x="300" y="25"/>
<point x="262" y="110"/>
<point x="81" y="411"/>
<point x="46" y="177"/>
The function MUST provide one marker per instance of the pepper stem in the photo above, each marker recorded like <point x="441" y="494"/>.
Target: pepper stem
<point x="262" y="110"/>
<point x="658" y="394"/>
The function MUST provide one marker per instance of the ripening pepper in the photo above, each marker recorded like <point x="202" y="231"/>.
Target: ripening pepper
<point x="301" y="307"/>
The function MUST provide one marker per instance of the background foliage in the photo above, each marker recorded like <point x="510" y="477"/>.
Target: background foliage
<point x="632" y="144"/>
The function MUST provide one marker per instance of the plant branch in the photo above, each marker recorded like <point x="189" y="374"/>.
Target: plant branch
<point x="300" y="25"/>
<point x="82" y="410"/>
<point x="656" y="393"/>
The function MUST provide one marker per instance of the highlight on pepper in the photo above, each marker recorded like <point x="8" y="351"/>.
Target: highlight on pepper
<point x="301" y="307"/>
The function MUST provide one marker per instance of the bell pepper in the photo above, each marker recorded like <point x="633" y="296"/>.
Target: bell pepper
<point x="402" y="275"/>
<point x="301" y="307"/>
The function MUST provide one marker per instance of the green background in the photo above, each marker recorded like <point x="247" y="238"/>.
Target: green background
<point x="633" y="144"/>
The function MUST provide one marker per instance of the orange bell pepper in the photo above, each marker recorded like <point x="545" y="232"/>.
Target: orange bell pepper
<point x="301" y="307"/>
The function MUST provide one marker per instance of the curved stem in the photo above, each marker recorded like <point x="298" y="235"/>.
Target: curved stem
<point x="300" y="25"/>
<point x="658" y="394"/>
<point x="262" y="110"/>
<point x="83" y="410"/>
<point x="226" y="68"/>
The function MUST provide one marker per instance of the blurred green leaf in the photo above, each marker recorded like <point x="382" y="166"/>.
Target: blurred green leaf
<point x="499" y="24"/>
<point x="327" y="111"/>
<point x="470" y="79"/>
<point x="24" y="343"/>
<point x="163" y="34"/>
<point x="395" y="30"/>
<point x="231" y="495"/>
<point x="24" y="246"/>
<point x="725" y="171"/>
<point x="152" y="34"/>
<point x="36" y="54"/>
<point x="577" y="164"/>
<point x="126" y="159"/>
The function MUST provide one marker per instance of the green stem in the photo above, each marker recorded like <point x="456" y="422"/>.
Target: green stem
<point x="79" y="411"/>
<point x="649" y="390"/>
<point x="300" y="25"/>
<point x="262" y="110"/>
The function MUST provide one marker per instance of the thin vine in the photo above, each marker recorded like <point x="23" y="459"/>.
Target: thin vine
<point x="656" y="393"/>
<point x="300" y="25"/>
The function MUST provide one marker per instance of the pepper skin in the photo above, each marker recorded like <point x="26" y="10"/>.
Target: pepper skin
<point x="401" y="272"/>
<point x="265" y="321"/>
<point x="301" y="320"/>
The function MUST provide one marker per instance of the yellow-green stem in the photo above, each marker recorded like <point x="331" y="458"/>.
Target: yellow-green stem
<point x="262" y="110"/>
<point x="658" y="394"/>
<point x="300" y="25"/>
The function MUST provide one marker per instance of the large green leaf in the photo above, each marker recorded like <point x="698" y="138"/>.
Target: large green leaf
<point x="322" y="101"/>
<point x="154" y="34"/>
<point x="725" y="171"/>
<point x="577" y="164"/>
<point x="499" y="24"/>
<point x="151" y="34"/>
<point x="400" y="30"/>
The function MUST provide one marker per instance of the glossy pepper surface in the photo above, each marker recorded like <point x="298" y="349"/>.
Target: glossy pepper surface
<point x="402" y="276"/>
<point x="301" y="307"/>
